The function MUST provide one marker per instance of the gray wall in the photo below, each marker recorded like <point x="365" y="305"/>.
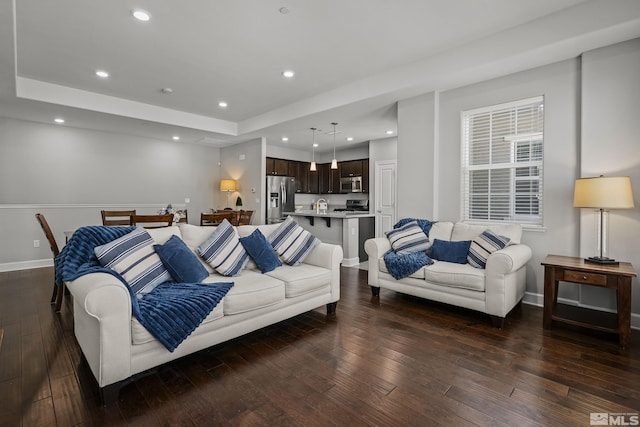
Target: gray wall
<point x="244" y="163"/>
<point x="598" y="93"/>
<point x="611" y="147"/>
<point x="70" y="174"/>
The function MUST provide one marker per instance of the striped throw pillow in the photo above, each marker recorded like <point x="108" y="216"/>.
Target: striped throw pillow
<point x="408" y="238"/>
<point x="292" y="242"/>
<point x="484" y="245"/>
<point x="134" y="257"/>
<point x="223" y="250"/>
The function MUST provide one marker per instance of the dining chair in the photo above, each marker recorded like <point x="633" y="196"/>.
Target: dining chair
<point x="235" y="215"/>
<point x="183" y="216"/>
<point x="117" y="217"/>
<point x="153" y="221"/>
<point x="216" y="218"/>
<point x="246" y="217"/>
<point x="56" y="297"/>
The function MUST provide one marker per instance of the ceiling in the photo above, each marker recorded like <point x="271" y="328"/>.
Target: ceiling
<point x="353" y="60"/>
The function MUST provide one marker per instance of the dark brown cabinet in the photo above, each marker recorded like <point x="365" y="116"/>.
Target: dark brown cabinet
<point x="365" y="176"/>
<point x="328" y="179"/>
<point x="277" y="166"/>
<point x="351" y="168"/>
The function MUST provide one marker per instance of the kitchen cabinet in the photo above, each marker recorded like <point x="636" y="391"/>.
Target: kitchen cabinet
<point x="328" y="179"/>
<point x="365" y="176"/>
<point x="277" y="166"/>
<point x="299" y="170"/>
<point x="314" y="180"/>
<point x="350" y="168"/>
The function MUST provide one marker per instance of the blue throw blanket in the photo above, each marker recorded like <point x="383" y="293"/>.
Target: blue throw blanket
<point x="171" y="312"/>
<point x="403" y="265"/>
<point x="425" y="224"/>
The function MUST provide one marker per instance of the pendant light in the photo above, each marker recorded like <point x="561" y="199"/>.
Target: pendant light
<point x="313" y="151"/>
<point x="334" y="162"/>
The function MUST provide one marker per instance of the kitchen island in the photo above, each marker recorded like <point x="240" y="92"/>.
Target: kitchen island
<point x="347" y="229"/>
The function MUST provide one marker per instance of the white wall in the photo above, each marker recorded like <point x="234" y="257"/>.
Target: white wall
<point x="611" y="147"/>
<point x="70" y="174"/>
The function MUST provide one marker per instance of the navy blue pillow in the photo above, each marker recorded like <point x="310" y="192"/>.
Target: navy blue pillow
<point x="444" y="250"/>
<point x="261" y="251"/>
<point x="182" y="264"/>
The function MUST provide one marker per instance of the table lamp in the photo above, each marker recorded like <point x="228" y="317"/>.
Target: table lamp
<point x="228" y="185"/>
<point x="602" y="193"/>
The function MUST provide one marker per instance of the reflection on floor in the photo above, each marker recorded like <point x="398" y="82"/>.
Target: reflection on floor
<point x="362" y="266"/>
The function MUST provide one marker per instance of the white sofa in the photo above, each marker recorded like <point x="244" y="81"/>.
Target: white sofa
<point x="116" y="346"/>
<point x="494" y="290"/>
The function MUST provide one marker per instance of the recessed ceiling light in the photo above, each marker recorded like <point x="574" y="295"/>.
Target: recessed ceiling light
<point x="288" y="74"/>
<point x="350" y="138"/>
<point x="175" y="138"/>
<point x="102" y="73"/>
<point x="166" y="90"/>
<point x="285" y="139"/>
<point x="315" y="145"/>
<point x="58" y="120"/>
<point x="222" y="104"/>
<point x="141" y="15"/>
<point x="389" y="132"/>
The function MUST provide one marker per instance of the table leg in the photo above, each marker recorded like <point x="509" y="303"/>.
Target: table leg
<point x="623" y="296"/>
<point x="550" y="291"/>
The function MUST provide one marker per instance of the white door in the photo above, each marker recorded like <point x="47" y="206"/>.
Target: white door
<point x="385" y="209"/>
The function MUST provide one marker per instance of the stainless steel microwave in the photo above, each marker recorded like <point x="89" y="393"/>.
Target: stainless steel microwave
<point x="352" y="184"/>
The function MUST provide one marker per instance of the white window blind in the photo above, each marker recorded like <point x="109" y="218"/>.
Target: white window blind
<point x="502" y="165"/>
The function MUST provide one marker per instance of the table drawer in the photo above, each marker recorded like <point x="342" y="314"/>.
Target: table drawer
<point x="588" y="278"/>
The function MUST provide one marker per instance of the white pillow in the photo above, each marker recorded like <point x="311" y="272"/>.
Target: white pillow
<point x="223" y="250"/>
<point x="292" y="242"/>
<point x="134" y="257"/>
<point x="408" y="238"/>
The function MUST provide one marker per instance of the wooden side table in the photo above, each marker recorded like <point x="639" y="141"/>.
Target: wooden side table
<point x="570" y="269"/>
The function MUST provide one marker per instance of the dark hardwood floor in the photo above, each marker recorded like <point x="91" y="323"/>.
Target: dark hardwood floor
<point x="396" y="361"/>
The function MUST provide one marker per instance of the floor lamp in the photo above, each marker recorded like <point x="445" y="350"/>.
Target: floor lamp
<point x="603" y="193"/>
<point x="228" y="185"/>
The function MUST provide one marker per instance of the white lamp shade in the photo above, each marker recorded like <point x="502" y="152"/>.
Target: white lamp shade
<point x="228" y="185"/>
<point x="313" y="167"/>
<point x="334" y="164"/>
<point x="604" y="192"/>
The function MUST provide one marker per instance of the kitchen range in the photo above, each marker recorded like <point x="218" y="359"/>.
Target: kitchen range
<point x="355" y="206"/>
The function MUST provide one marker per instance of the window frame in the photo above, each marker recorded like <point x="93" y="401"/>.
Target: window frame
<point x="534" y="140"/>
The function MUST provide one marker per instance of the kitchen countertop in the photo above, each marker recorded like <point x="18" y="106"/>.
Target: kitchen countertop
<point x="330" y="214"/>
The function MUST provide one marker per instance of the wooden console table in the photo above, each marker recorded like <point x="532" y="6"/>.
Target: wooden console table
<point x="570" y="269"/>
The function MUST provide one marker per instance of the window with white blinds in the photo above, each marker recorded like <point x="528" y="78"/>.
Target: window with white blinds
<point x="502" y="165"/>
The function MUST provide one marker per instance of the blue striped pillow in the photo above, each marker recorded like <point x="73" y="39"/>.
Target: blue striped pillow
<point x="134" y="257"/>
<point x="484" y="245"/>
<point x="408" y="239"/>
<point x="223" y="250"/>
<point x="292" y="242"/>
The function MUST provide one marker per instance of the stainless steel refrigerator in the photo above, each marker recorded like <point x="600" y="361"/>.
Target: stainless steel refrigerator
<point x="280" y="197"/>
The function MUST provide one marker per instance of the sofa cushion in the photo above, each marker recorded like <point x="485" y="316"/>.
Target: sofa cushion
<point x="408" y="238"/>
<point x="292" y="242"/>
<point x="251" y="290"/>
<point x="303" y="278"/>
<point x="484" y="245"/>
<point x="134" y="257"/>
<point x="182" y="264"/>
<point x="443" y="250"/>
<point x="261" y="251"/>
<point x="441" y="230"/>
<point x="455" y="275"/>
<point x="223" y="250"/>
<point x="193" y="236"/>
<point x="463" y="231"/>
<point x="163" y="234"/>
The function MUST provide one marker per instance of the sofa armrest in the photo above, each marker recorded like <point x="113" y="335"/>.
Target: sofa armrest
<point x="328" y="256"/>
<point x="508" y="260"/>
<point x="375" y="248"/>
<point x="102" y="325"/>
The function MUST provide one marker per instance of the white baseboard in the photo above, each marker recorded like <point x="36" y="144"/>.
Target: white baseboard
<point x="350" y="262"/>
<point x="26" y="265"/>
<point x="538" y="300"/>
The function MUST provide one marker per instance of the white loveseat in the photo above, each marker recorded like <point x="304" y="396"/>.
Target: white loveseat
<point x="116" y="346"/>
<point x="494" y="290"/>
